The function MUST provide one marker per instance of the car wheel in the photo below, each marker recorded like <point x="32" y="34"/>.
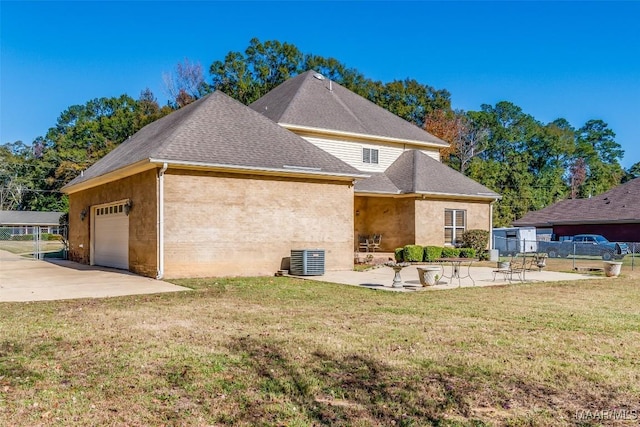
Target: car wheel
<point x="607" y="256"/>
<point x="553" y="254"/>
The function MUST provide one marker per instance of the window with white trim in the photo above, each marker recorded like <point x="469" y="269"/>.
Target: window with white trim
<point x="370" y="155"/>
<point x="455" y="222"/>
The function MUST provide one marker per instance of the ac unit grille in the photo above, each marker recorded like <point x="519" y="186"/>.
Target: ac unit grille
<point x="307" y="262"/>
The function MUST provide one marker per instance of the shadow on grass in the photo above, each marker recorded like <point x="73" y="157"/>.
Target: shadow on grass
<point x="349" y="390"/>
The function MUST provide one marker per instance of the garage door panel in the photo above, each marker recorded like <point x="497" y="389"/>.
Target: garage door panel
<point x="111" y="244"/>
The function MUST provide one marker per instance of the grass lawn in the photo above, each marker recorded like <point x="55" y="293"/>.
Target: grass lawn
<point x="28" y="247"/>
<point x="282" y="351"/>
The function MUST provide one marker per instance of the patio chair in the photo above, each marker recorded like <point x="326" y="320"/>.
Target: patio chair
<point x="374" y="243"/>
<point x="363" y="243"/>
<point x="516" y="266"/>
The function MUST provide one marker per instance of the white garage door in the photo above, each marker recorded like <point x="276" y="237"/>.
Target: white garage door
<point x="111" y="244"/>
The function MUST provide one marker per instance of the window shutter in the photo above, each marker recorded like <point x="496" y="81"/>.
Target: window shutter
<point x="374" y="156"/>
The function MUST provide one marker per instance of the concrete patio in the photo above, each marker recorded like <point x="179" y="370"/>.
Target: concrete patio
<point x="381" y="278"/>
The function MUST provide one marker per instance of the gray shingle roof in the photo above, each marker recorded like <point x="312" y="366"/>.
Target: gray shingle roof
<point x="416" y="172"/>
<point x="308" y="101"/>
<point x="620" y="204"/>
<point x="218" y="130"/>
<point x="29" y="218"/>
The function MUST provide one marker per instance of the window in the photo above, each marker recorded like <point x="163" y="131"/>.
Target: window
<point x="370" y="155"/>
<point x="455" y="221"/>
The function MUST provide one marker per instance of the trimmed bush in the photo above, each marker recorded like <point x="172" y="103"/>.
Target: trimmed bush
<point x="450" y="252"/>
<point x="413" y="253"/>
<point x="467" y="253"/>
<point x="22" y="237"/>
<point x="432" y="252"/>
<point x="476" y="239"/>
<point x="399" y="253"/>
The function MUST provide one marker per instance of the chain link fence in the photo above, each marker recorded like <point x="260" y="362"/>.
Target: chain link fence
<point x="35" y="242"/>
<point x="569" y="255"/>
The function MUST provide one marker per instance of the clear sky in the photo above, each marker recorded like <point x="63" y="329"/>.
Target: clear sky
<point x="574" y="60"/>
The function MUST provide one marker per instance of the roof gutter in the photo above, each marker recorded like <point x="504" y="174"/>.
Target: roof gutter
<point x="286" y="170"/>
<point x="431" y="195"/>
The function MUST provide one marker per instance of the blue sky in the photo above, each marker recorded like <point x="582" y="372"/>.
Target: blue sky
<point x="574" y="60"/>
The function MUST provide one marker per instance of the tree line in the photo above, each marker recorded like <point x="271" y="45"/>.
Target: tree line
<point x="532" y="164"/>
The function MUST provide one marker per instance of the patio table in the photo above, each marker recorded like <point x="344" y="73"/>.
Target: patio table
<point x="456" y="266"/>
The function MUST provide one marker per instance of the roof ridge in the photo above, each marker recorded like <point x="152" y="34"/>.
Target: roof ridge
<point x="297" y="92"/>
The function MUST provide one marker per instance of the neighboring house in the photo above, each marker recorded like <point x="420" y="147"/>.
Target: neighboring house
<point x="24" y="222"/>
<point x="410" y="197"/>
<point x="218" y="189"/>
<point x="614" y="214"/>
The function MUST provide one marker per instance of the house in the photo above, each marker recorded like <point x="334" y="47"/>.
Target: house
<point x="24" y="222"/>
<point x="211" y="189"/>
<point x="410" y="197"/>
<point x="614" y="214"/>
<point x="221" y="189"/>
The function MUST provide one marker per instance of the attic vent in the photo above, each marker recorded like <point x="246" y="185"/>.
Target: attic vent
<point x="318" y="76"/>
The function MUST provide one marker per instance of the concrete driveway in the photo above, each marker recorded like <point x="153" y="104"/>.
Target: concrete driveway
<point x="23" y="279"/>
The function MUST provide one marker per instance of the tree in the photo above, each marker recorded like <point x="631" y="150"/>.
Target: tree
<point x="632" y="173"/>
<point x="596" y="144"/>
<point x="187" y="83"/>
<point x="263" y="66"/>
<point x="82" y="135"/>
<point x="15" y="175"/>
<point x="578" y="174"/>
<point x="467" y="138"/>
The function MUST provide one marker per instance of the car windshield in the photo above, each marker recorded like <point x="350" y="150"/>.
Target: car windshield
<point x="601" y="239"/>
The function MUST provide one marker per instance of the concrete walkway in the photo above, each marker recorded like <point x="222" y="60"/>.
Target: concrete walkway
<point x="23" y="279"/>
<point x="382" y="278"/>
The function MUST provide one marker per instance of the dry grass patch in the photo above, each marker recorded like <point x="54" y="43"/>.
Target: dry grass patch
<point x="281" y="351"/>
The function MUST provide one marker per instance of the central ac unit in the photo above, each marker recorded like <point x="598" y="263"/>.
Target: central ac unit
<point x="307" y="262"/>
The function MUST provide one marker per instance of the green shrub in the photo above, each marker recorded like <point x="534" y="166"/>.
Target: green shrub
<point x="22" y="237"/>
<point x="432" y="252"/>
<point x="413" y="253"/>
<point x="467" y="253"/>
<point x="43" y="237"/>
<point x="476" y="239"/>
<point x="50" y="236"/>
<point x="484" y="255"/>
<point x="399" y="253"/>
<point x="450" y="252"/>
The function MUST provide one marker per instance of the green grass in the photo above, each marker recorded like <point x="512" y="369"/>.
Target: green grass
<point x="28" y="247"/>
<point x="283" y="351"/>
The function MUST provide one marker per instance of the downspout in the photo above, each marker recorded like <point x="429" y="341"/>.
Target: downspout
<point x="491" y="225"/>
<point x="160" y="274"/>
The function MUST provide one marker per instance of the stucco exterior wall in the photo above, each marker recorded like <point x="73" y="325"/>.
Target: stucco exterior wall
<point x="430" y="218"/>
<point x="394" y="218"/>
<point x="233" y="225"/>
<point x="141" y="190"/>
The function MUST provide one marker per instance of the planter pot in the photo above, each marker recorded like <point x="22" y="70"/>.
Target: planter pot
<point x="612" y="268"/>
<point x="503" y="265"/>
<point x="429" y="276"/>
